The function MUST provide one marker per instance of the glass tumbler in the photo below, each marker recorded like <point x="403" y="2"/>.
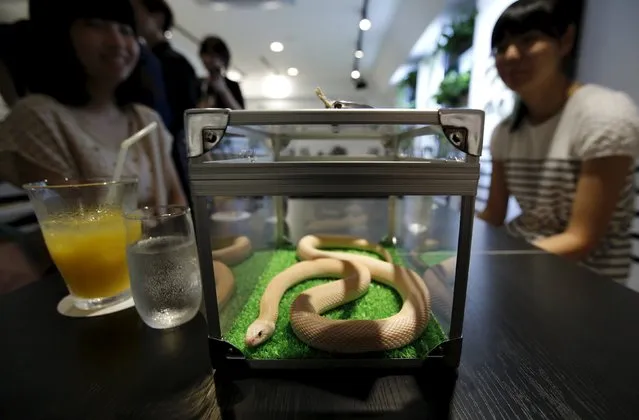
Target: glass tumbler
<point x="163" y="265"/>
<point x="83" y="227"/>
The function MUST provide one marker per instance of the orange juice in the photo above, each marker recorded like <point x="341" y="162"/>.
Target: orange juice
<point x="90" y="252"/>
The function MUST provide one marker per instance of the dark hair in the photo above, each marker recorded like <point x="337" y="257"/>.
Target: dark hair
<point x="160" y="6"/>
<point x="63" y="76"/>
<point x="550" y="17"/>
<point x="215" y="45"/>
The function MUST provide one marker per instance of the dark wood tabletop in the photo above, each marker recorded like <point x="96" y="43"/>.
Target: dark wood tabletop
<point x="543" y="339"/>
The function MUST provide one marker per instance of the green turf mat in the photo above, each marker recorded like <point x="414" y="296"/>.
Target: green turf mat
<point x="435" y="257"/>
<point x="380" y="301"/>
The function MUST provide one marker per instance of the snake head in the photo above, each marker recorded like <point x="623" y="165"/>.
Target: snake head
<point x="258" y="332"/>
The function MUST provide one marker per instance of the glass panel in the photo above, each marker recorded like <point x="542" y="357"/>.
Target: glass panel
<point x="256" y="246"/>
<point x="334" y="142"/>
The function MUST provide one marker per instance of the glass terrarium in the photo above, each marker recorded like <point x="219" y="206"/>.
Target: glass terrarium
<point x="329" y="238"/>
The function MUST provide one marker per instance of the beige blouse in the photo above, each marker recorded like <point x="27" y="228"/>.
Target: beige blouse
<point x="43" y="139"/>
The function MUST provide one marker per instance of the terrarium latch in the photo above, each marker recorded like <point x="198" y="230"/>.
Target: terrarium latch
<point x="204" y="129"/>
<point x="463" y="129"/>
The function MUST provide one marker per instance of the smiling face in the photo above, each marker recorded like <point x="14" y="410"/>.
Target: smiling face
<point x="108" y="50"/>
<point x="526" y="62"/>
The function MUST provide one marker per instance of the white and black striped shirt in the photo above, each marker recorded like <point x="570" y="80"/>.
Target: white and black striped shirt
<point x="543" y="163"/>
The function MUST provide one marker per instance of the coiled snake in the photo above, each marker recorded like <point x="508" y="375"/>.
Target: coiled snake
<point x="355" y="273"/>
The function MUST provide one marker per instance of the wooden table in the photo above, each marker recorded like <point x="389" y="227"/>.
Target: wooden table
<point x="543" y="339"/>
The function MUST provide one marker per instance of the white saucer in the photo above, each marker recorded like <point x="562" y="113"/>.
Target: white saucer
<point x="230" y="216"/>
<point x="66" y="308"/>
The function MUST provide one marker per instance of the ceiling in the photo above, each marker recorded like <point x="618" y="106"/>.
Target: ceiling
<point x="319" y="39"/>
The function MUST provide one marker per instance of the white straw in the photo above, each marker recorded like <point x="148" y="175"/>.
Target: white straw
<point x="124" y="148"/>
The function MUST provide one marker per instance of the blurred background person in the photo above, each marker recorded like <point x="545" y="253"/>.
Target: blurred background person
<point x="567" y="153"/>
<point x="218" y="91"/>
<point x="86" y="103"/>
<point x="154" y="21"/>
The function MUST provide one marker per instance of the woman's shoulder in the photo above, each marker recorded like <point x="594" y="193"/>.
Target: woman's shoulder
<point x="37" y="103"/>
<point x="35" y="113"/>
<point x="595" y="103"/>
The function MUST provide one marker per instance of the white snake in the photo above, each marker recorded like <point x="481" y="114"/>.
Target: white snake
<point x="228" y="251"/>
<point x="355" y="273"/>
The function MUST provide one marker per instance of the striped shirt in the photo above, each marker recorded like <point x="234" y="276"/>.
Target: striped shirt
<point x="543" y="163"/>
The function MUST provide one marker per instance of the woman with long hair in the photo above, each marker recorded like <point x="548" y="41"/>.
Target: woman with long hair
<point x="85" y="101"/>
<point x="567" y="153"/>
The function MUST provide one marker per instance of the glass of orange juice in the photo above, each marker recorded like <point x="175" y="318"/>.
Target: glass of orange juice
<point x="83" y="227"/>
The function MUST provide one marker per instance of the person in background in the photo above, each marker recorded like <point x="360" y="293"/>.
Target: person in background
<point x="86" y="103"/>
<point x="19" y="65"/>
<point x="217" y="91"/>
<point x="567" y="153"/>
<point x="154" y="21"/>
<point x="153" y="77"/>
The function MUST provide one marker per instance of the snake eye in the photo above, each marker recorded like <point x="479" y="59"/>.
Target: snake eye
<point x="259" y="334"/>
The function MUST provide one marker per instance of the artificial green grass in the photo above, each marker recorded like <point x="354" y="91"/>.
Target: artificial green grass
<point x="253" y="275"/>
<point x="435" y="257"/>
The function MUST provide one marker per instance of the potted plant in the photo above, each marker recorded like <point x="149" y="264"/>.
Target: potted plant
<point x="453" y="91"/>
<point x="459" y="35"/>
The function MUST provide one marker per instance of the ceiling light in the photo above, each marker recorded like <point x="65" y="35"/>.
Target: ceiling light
<point x="292" y="71"/>
<point x="277" y="47"/>
<point x="355" y="74"/>
<point x="365" y="24"/>
<point x="359" y="54"/>
<point x="234" y="75"/>
<point x="168" y="34"/>
<point x="276" y="86"/>
<point x="220" y="7"/>
<point x="271" y="5"/>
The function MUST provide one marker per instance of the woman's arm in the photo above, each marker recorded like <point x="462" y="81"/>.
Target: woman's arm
<point x="600" y="183"/>
<point x="497" y="205"/>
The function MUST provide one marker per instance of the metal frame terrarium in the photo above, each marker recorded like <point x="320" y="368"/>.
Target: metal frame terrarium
<point x="381" y="177"/>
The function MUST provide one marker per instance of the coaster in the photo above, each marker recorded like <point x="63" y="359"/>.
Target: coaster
<point x="230" y="216"/>
<point x="66" y="308"/>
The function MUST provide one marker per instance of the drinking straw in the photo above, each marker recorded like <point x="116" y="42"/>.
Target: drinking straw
<point x="124" y="148"/>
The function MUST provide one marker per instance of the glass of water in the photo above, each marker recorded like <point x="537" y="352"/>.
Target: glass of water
<point x="163" y="265"/>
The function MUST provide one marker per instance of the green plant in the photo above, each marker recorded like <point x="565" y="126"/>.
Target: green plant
<point x="459" y="36"/>
<point x="453" y="90"/>
<point x="410" y="80"/>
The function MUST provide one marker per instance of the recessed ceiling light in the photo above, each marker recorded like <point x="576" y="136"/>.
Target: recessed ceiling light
<point x="359" y="54"/>
<point x="234" y="75"/>
<point x="355" y="74"/>
<point x="271" y="5"/>
<point x="365" y="24"/>
<point x="220" y="7"/>
<point x="277" y="46"/>
<point x="292" y="71"/>
<point x="276" y="86"/>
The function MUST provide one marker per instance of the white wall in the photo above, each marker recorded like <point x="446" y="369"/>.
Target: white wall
<point x="608" y="53"/>
<point x="608" y="56"/>
<point x="487" y="91"/>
